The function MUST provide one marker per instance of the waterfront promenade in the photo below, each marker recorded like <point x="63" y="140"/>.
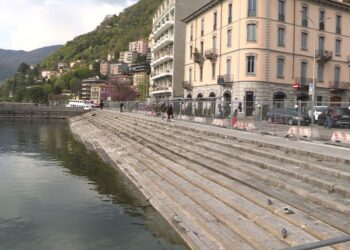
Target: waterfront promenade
<point x="225" y="189"/>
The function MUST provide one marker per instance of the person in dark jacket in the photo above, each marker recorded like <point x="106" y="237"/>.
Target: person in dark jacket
<point x="169" y="112"/>
<point x="121" y="107"/>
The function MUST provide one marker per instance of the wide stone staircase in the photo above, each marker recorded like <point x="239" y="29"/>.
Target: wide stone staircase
<point x="225" y="193"/>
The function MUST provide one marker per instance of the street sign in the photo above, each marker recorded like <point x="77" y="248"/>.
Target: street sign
<point x="311" y="86"/>
<point x="296" y="86"/>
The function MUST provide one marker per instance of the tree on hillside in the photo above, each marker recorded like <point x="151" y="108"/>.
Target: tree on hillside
<point x="122" y="91"/>
<point x="75" y="85"/>
<point x="23" y="68"/>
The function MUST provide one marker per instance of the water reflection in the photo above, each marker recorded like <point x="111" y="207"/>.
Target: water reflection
<point x="54" y="194"/>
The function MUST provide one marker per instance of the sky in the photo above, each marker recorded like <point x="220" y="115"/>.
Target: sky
<point x="31" y="24"/>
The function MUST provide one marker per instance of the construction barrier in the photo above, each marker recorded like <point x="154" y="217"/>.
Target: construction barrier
<point x="341" y="136"/>
<point x="200" y="120"/>
<point x="304" y="132"/>
<point x="183" y="117"/>
<point x="249" y="126"/>
<point x="220" y="123"/>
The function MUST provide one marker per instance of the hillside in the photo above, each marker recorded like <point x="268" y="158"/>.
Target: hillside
<point x="111" y="36"/>
<point x="11" y="59"/>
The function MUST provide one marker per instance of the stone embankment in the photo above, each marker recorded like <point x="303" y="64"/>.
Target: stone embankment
<point x="222" y="192"/>
<point x="31" y="111"/>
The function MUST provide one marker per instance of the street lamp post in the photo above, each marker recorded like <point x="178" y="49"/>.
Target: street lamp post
<point x="314" y="68"/>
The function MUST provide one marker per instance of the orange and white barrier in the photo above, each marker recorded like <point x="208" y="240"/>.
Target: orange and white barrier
<point x="220" y="123"/>
<point x="200" y="120"/>
<point x="303" y="132"/>
<point x="341" y="136"/>
<point x="249" y="126"/>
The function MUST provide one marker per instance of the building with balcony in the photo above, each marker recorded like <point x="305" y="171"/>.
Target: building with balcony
<point x="167" y="40"/>
<point x="119" y="68"/>
<point x="255" y="50"/>
<point x="128" y="57"/>
<point x="140" y="47"/>
<point x="98" y="90"/>
<point x="86" y="87"/>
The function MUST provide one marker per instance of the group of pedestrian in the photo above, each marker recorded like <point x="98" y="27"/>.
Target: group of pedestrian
<point x="167" y="111"/>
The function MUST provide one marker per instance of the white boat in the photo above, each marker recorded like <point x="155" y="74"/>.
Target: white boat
<point x="85" y="104"/>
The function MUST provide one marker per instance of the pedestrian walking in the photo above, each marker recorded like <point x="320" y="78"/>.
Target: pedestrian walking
<point x="170" y="112"/>
<point x="234" y="117"/>
<point x="163" y="110"/>
<point x="101" y="104"/>
<point x="329" y="119"/>
<point x="121" y="107"/>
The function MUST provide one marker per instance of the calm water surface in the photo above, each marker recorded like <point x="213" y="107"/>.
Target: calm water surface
<point x="54" y="194"/>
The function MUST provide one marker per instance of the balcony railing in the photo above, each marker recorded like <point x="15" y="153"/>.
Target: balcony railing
<point x="281" y="17"/>
<point x="251" y="13"/>
<point x="321" y="26"/>
<point x="338" y="85"/>
<point x="304" y="22"/>
<point x="323" y="56"/>
<point x="303" y="81"/>
<point x="338" y="30"/>
<point x="198" y="58"/>
<point x="211" y="54"/>
<point x="187" y="85"/>
<point x="225" y="80"/>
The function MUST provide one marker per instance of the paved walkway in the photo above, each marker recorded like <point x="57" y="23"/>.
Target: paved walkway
<point x="316" y="148"/>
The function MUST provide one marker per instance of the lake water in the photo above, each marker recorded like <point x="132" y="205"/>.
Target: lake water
<point x="55" y="194"/>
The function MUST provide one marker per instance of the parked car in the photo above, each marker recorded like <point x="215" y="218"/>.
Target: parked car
<point x="317" y="112"/>
<point x="288" y="116"/>
<point x="340" y="117"/>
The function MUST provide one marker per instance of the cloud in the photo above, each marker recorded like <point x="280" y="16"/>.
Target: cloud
<point x="31" y="24"/>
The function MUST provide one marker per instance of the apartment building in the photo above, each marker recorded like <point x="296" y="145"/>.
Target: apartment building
<point x="104" y="68"/>
<point x="167" y="41"/>
<point x="140" y="47"/>
<point x="140" y="78"/>
<point x="128" y="57"/>
<point x="250" y="50"/>
<point x="86" y="87"/>
<point x="98" y="91"/>
<point x="119" y="68"/>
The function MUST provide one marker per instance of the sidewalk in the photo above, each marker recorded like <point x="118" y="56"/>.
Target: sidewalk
<point x="339" y="154"/>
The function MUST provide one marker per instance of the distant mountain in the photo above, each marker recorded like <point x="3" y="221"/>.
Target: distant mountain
<point x="11" y="59"/>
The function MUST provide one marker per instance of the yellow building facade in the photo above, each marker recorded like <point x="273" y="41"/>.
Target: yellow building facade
<point x="256" y="50"/>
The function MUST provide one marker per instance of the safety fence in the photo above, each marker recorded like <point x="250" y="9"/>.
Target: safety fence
<point x="328" y="122"/>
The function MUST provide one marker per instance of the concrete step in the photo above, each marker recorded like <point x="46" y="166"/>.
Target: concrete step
<point x="271" y="161"/>
<point x="216" y="197"/>
<point x="138" y="137"/>
<point x="274" y="180"/>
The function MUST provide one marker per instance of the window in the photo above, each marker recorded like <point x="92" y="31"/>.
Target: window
<point x="321" y="42"/>
<point x="322" y="19"/>
<point x="320" y="72"/>
<point x="304" y="40"/>
<point x="251" y="32"/>
<point x="214" y="43"/>
<point x="303" y="73"/>
<point x="202" y="27"/>
<point x="228" y="70"/>
<point x="229" y="38"/>
<point x="202" y="48"/>
<point x="304" y="16"/>
<point x="191" y="34"/>
<point x="337" y="75"/>
<point x="250" y="64"/>
<point x="319" y="101"/>
<point x="201" y="73"/>
<point x="213" y="70"/>
<point x="229" y="13"/>
<point x="281" y="10"/>
<point x="190" y="75"/>
<point x="215" y="20"/>
<point x="281" y="37"/>
<point x="251" y="7"/>
<point x="338" y="24"/>
<point x="338" y="47"/>
<point x="191" y="52"/>
<point x="280" y="68"/>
